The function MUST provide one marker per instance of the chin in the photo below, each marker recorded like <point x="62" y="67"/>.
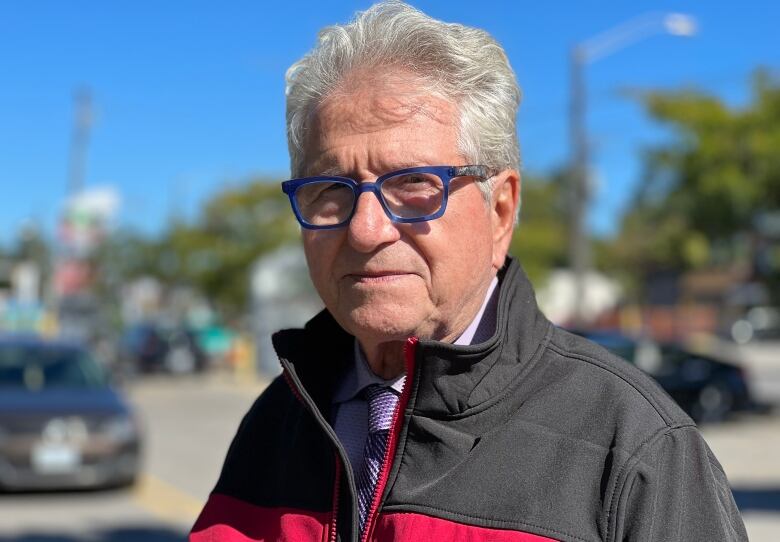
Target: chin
<point x="383" y="323"/>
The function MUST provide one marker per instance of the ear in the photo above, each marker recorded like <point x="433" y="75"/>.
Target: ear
<point x="506" y="193"/>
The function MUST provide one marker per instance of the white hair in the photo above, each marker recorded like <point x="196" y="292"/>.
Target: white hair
<point x="461" y="64"/>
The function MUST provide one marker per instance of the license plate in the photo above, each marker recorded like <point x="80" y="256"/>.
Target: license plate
<point x="55" y="459"/>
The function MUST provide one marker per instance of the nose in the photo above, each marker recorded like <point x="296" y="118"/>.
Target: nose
<point x="370" y="226"/>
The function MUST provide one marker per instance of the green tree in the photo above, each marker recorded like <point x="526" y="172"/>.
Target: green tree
<point x="235" y="229"/>
<point x="540" y="239"/>
<point x="719" y="170"/>
<point x="213" y="254"/>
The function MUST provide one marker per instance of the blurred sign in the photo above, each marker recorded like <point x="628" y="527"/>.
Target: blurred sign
<point x="86" y="218"/>
<point x="72" y="277"/>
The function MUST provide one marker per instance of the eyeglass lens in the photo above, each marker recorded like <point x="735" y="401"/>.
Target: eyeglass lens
<point x="324" y="203"/>
<point x="409" y="195"/>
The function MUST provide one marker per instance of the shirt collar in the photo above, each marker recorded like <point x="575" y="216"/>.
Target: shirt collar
<point x="358" y="376"/>
<point x="468" y="335"/>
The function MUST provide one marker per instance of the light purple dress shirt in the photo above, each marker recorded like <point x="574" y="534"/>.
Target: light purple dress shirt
<point x="350" y="409"/>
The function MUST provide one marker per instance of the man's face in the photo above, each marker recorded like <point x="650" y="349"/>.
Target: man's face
<point x="384" y="281"/>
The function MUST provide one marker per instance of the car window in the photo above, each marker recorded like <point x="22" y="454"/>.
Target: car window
<point x="42" y="367"/>
<point x="689" y="365"/>
<point x="616" y="344"/>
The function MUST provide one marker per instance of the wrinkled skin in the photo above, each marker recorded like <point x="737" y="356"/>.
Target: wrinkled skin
<point x="384" y="282"/>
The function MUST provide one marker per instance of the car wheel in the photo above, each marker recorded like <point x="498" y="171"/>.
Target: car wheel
<point x="713" y="403"/>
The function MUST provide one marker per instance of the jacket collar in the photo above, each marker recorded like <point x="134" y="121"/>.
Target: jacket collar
<point x="455" y="380"/>
<point x="449" y="380"/>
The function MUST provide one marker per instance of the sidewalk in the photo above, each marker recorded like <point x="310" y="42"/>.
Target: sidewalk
<point x="749" y="450"/>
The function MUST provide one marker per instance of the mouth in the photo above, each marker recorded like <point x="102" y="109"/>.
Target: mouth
<point x="377" y="277"/>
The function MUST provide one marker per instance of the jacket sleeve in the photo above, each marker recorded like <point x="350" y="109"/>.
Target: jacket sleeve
<point x="674" y="489"/>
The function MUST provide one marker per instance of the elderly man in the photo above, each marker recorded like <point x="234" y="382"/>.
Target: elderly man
<point x="431" y="400"/>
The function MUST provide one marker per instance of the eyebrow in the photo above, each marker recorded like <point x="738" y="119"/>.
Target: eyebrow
<point x="332" y="171"/>
<point x="336" y="171"/>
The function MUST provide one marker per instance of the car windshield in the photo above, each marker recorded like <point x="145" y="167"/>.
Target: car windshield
<point x="39" y="367"/>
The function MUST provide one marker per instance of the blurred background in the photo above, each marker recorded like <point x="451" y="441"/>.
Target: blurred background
<point x="147" y="251"/>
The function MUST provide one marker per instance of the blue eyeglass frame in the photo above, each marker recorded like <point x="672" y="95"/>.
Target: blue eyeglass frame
<point x="445" y="173"/>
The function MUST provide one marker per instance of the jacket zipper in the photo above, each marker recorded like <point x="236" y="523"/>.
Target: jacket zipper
<point x="295" y="385"/>
<point x="392" y="438"/>
<point x="336" y="489"/>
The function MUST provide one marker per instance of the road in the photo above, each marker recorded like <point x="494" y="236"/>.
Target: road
<point x="189" y="423"/>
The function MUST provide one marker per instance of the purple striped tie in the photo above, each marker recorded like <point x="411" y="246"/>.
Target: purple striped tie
<point x="381" y="407"/>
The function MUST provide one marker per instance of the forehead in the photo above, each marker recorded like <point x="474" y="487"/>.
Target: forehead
<point x="389" y="117"/>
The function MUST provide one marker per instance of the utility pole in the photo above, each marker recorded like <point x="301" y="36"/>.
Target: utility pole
<point x="579" y="185"/>
<point x="614" y="39"/>
<point x="75" y="311"/>
<point x="82" y="123"/>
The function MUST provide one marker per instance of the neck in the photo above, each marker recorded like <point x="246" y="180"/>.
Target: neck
<point x="386" y="360"/>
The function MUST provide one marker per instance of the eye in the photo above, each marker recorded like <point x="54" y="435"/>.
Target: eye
<point x="324" y="202"/>
<point x="413" y="181"/>
<point x="333" y="187"/>
<point x="312" y="193"/>
<point x="414" y="194"/>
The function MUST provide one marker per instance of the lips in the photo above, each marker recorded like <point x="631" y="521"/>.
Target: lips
<point x="370" y="277"/>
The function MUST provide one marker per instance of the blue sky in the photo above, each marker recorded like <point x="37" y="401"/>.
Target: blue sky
<point x="189" y="96"/>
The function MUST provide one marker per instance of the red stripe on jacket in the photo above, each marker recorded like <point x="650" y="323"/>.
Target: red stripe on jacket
<point x="411" y="527"/>
<point x="227" y="519"/>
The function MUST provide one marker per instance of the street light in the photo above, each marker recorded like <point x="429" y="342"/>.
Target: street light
<point x="606" y="43"/>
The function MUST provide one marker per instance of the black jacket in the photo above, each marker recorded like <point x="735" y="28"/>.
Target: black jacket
<point x="533" y="435"/>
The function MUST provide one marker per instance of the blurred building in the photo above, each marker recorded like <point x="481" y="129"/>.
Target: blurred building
<point x="21" y="304"/>
<point x="282" y="297"/>
<point x="557" y="297"/>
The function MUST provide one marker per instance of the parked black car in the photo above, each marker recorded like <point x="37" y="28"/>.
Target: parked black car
<point x="62" y="425"/>
<point x="706" y="388"/>
<point x="148" y="348"/>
